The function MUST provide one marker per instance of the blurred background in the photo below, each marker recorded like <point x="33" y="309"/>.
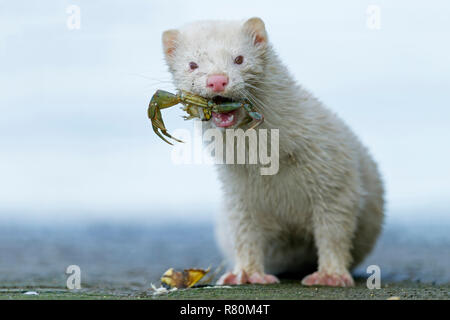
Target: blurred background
<point x="84" y="180"/>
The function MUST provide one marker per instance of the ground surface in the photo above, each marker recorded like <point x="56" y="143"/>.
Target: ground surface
<point x="287" y="290"/>
<point x="120" y="261"/>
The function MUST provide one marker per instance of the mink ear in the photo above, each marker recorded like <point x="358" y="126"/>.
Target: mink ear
<point x="256" y="29"/>
<point x="169" y="41"/>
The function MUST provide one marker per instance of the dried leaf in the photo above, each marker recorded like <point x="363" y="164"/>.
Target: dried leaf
<point x="184" y="279"/>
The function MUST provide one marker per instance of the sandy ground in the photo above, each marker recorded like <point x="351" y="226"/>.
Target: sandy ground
<point x="122" y="260"/>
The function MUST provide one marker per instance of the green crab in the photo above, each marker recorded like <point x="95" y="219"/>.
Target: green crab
<point x="196" y="107"/>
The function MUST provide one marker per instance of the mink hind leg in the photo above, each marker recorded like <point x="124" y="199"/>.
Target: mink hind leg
<point x="243" y="245"/>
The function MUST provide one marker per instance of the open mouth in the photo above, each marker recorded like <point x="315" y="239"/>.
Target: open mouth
<point x="221" y="99"/>
<point x="224" y="120"/>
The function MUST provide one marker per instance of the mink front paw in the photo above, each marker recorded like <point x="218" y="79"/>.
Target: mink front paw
<point x="320" y="278"/>
<point x="243" y="277"/>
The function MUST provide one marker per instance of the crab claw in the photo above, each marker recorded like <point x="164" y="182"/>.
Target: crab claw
<point x="161" y="100"/>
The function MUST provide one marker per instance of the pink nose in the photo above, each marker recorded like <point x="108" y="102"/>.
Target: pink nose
<point x="217" y="82"/>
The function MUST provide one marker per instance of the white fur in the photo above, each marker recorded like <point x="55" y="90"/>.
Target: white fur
<point x="325" y="205"/>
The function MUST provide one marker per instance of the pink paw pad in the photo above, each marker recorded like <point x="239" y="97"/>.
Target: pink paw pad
<point x="262" y="278"/>
<point x="330" y="280"/>
<point x="242" y="278"/>
<point x="231" y="278"/>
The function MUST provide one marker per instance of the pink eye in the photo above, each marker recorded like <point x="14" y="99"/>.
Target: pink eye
<point x="239" y="60"/>
<point x="193" y="65"/>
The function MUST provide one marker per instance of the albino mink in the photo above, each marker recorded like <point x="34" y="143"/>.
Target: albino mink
<point x="324" y="207"/>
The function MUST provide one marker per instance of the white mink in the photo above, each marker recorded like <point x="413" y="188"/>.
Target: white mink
<point x="324" y="207"/>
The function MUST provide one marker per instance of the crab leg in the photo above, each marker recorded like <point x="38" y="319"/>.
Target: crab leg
<point x="257" y="117"/>
<point x="226" y="106"/>
<point x="159" y="125"/>
<point x="190" y="99"/>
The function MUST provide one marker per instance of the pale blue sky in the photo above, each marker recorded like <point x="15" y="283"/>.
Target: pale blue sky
<point x="75" y="140"/>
